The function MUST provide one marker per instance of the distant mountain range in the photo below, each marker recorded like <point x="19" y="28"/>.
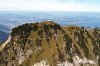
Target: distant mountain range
<point x="15" y="18"/>
<point x="3" y="36"/>
<point x="5" y="29"/>
<point x="4" y="33"/>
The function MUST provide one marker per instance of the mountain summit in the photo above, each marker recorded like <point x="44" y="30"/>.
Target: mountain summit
<point x="49" y="44"/>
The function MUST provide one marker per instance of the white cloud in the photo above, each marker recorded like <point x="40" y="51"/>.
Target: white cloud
<point x="65" y="5"/>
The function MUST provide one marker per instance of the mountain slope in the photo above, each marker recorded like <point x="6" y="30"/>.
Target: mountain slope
<point x="49" y="44"/>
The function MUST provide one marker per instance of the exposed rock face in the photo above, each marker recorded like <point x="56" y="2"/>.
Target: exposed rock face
<point x="41" y="63"/>
<point x="5" y="43"/>
<point x="49" y="44"/>
<point x="77" y="62"/>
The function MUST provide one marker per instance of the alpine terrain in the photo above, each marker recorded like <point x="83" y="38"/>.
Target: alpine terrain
<point x="49" y="44"/>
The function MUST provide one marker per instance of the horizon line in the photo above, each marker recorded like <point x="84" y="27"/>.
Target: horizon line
<point x="48" y="10"/>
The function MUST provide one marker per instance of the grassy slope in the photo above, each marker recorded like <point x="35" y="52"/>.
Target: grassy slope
<point x="57" y="48"/>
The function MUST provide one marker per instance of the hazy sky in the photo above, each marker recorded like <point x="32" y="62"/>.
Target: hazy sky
<point x="63" y="5"/>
